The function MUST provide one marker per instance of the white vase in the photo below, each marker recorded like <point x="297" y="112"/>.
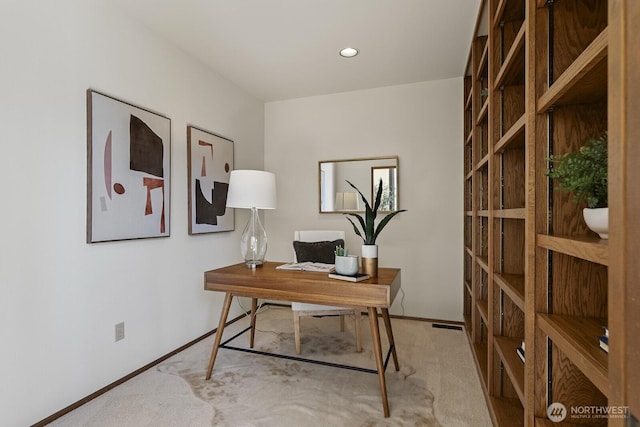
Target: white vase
<point x="597" y="220"/>
<point x="370" y="260"/>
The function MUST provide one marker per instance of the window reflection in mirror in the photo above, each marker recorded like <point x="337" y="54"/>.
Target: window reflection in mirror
<point x="387" y="175"/>
<point x="335" y="195"/>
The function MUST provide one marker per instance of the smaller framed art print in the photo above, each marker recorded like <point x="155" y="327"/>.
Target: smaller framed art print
<point x="128" y="170"/>
<point x="209" y="164"/>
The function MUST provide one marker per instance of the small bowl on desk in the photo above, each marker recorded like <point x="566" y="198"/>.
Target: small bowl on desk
<point x="347" y="265"/>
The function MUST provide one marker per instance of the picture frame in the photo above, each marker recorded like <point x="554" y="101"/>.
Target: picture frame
<point x="128" y="170"/>
<point x="209" y="165"/>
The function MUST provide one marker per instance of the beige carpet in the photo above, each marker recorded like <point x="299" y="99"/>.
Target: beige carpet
<point x="437" y="384"/>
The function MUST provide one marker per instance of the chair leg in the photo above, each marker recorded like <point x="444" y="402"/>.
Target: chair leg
<point x="296" y="330"/>
<point x="358" y="331"/>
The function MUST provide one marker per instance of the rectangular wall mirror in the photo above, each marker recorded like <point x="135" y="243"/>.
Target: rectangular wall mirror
<point x="336" y="196"/>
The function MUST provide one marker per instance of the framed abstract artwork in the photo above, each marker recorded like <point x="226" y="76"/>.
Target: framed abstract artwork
<point x="209" y="164"/>
<point x="128" y="170"/>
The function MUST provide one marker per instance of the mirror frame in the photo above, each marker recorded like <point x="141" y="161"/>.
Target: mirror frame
<point x="370" y="188"/>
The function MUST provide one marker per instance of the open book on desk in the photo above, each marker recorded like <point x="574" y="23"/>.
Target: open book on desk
<point x="308" y="266"/>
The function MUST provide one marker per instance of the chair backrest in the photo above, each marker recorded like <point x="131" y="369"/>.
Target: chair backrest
<point x="316" y="236"/>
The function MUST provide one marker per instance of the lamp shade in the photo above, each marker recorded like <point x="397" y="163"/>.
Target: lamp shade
<point x="252" y="189"/>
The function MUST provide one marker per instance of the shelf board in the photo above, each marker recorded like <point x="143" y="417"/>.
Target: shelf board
<point x="514" y="137"/>
<point x="468" y="213"/>
<point x="468" y="251"/>
<point x="469" y="138"/>
<point x="483" y="309"/>
<point x="584" y="81"/>
<point x="506" y="348"/>
<point x="515" y="213"/>
<point x="482" y="115"/>
<point x="508" y="412"/>
<point x="587" y="248"/>
<point x="483" y="162"/>
<point x="513" y="286"/>
<point x="483" y="262"/>
<point x="468" y="286"/>
<point x="512" y="69"/>
<point x="577" y="338"/>
<point x="469" y="175"/>
<point x="483" y="213"/>
<point x="467" y="103"/>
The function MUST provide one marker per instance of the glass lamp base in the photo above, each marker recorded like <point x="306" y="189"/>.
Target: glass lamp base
<point x="253" y="264"/>
<point x="253" y="243"/>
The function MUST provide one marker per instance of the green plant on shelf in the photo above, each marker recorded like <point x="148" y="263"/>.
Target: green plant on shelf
<point x="584" y="174"/>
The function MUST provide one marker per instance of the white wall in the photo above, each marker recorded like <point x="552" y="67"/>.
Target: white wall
<point x="418" y="122"/>
<point x="60" y="297"/>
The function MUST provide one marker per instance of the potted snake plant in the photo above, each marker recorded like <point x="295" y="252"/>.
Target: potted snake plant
<point x="368" y="231"/>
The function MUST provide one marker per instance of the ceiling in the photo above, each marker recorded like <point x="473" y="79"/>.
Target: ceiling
<point x="283" y="49"/>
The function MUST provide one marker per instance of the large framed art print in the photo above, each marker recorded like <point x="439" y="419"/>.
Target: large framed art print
<point x="209" y="165"/>
<point x="128" y="170"/>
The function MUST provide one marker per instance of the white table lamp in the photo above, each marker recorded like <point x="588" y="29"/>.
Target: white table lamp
<point x="252" y="189"/>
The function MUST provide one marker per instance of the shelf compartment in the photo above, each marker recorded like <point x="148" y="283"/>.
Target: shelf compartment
<point x="514" y="137"/>
<point x="506" y="348"/>
<point x="510" y="191"/>
<point x="584" y="81"/>
<point x="482" y="65"/>
<point x="508" y="245"/>
<point x="577" y="338"/>
<point x="576" y="24"/>
<point x="508" y="412"/>
<point x="512" y="69"/>
<point x="480" y="353"/>
<point x="587" y="248"/>
<point x="513" y="286"/>
<point x="508" y="10"/>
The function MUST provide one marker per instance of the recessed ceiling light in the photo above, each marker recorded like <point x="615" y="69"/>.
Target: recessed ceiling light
<point x="348" y="52"/>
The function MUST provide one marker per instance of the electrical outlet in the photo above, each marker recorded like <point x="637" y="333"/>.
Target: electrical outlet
<point x="119" y="331"/>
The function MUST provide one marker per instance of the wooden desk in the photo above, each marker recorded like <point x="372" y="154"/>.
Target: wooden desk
<point x="309" y="287"/>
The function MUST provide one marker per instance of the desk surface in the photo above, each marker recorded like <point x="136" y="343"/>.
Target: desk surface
<point x="304" y="286"/>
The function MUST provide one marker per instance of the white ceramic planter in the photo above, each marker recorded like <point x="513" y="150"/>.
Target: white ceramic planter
<point x="347" y="265"/>
<point x="370" y="260"/>
<point x="597" y="220"/>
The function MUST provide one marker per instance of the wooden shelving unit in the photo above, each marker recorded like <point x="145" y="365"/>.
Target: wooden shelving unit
<point x="543" y="78"/>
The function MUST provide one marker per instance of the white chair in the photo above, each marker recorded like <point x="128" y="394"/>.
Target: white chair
<point x="304" y="309"/>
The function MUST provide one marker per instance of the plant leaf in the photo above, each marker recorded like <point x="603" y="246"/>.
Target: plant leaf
<point x="385" y="221"/>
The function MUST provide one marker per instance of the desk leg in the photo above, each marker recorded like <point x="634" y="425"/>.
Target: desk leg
<point x="216" y="343"/>
<point x="377" y="349"/>
<point x="387" y="325"/>
<point x="254" y="308"/>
